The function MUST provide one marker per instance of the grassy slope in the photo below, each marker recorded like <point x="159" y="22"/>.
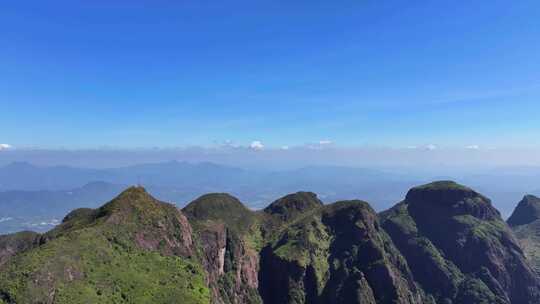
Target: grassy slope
<point x="92" y="260"/>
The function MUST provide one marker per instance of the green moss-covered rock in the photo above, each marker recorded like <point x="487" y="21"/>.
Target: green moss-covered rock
<point x="458" y="247"/>
<point x="220" y="208"/>
<point x="293" y="205"/>
<point x="336" y="254"/>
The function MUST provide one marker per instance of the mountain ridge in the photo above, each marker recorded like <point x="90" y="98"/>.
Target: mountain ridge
<point x="526" y="212"/>
<point x="297" y="250"/>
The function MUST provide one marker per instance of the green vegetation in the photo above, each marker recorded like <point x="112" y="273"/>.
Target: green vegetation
<point x="214" y="208"/>
<point x="474" y="291"/>
<point x="437" y="246"/>
<point x="442" y="185"/>
<point x="100" y="261"/>
<point x="485" y="230"/>
<point x="292" y="206"/>
<point x="307" y="243"/>
<point x="450" y="236"/>
<point x="330" y="250"/>
<point x="438" y="276"/>
<point x="85" y="267"/>
<point x="217" y="217"/>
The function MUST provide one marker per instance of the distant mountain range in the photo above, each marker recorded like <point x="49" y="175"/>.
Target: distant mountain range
<point x="24" y="176"/>
<point x="35" y="198"/>
<point x="444" y="243"/>
<point x="32" y="197"/>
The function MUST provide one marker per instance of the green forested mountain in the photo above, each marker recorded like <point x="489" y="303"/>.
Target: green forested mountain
<point x="444" y="243"/>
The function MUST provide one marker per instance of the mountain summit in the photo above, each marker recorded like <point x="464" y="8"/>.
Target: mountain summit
<point x="444" y="244"/>
<point x="526" y="212"/>
<point x="458" y="247"/>
<point x="133" y="249"/>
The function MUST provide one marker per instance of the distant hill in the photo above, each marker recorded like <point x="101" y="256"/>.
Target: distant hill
<point x="444" y="243"/>
<point x="27" y="177"/>
<point x="24" y="176"/>
<point x="32" y="197"/>
<point x="42" y="210"/>
<point x="35" y="198"/>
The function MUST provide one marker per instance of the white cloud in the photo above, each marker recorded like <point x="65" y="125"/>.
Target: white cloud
<point x="412" y="147"/>
<point x="319" y="145"/>
<point x="229" y="144"/>
<point x="285" y="148"/>
<point x="431" y="147"/>
<point x="473" y="147"/>
<point x="5" y="147"/>
<point x="5" y="219"/>
<point x="256" y="145"/>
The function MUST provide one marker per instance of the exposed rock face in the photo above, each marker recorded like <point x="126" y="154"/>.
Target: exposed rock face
<point x="222" y="224"/>
<point x="444" y="244"/>
<point x="15" y="243"/>
<point x="458" y="247"/>
<point x="526" y="212"/>
<point x="338" y="254"/>
<point x="231" y="266"/>
<point x="525" y="221"/>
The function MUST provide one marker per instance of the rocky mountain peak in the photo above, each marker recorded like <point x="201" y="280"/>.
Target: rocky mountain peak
<point x="526" y="212"/>
<point x="448" y="198"/>
<point x="212" y="203"/>
<point x="291" y="205"/>
<point x="220" y="208"/>
<point x="134" y="198"/>
<point x="445" y="243"/>
<point x="440" y="192"/>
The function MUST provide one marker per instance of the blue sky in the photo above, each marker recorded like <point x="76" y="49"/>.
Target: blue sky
<point x="87" y="74"/>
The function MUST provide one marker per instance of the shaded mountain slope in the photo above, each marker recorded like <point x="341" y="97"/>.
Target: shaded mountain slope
<point x="336" y="254"/>
<point x="458" y="247"/>
<point x="526" y="212"/>
<point x="525" y="221"/>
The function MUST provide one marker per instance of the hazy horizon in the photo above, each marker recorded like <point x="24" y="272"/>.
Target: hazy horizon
<point x="423" y="158"/>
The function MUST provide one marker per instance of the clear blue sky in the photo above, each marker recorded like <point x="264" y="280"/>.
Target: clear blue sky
<point x="82" y="74"/>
